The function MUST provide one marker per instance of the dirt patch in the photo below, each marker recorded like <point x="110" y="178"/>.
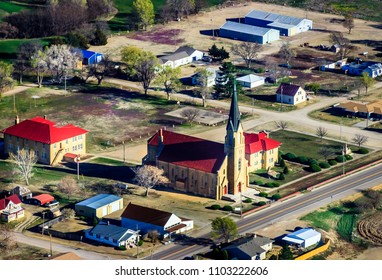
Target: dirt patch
<point x="159" y="35"/>
<point x="370" y="228"/>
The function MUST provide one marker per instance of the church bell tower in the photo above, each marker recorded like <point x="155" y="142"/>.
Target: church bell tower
<point x="234" y="147"/>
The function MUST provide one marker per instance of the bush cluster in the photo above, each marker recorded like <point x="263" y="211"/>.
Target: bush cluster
<point x="324" y="164"/>
<point x="276" y="196"/>
<point x="215" y="207"/>
<point x="340" y="158"/>
<point x="299" y="159"/>
<point x="271" y="185"/>
<point x="315" y="168"/>
<point x="228" y="208"/>
<point x="261" y="203"/>
<point x="332" y="161"/>
<point x="248" y="200"/>
<point x="363" y="151"/>
<point x="263" y="194"/>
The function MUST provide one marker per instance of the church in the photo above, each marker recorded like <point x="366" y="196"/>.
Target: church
<point x="202" y="167"/>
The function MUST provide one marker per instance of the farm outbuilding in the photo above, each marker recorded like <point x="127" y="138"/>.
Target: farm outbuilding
<point x="287" y="25"/>
<point x="251" y="81"/>
<point x="99" y="205"/>
<point x="304" y="238"/>
<point x="248" y="33"/>
<point x="90" y="57"/>
<point x="41" y="199"/>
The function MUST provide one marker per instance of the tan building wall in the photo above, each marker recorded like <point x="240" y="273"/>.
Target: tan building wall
<point x="195" y="181"/>
<point x="262" y="159"/>
<point x="46" y="153"/>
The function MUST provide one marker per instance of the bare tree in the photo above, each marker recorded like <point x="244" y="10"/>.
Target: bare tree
<point x="326" y="152"/>
<point x="348" y="22"/>
<point x="7" y="239"/>
<point x="203" y="76"/>
<point x="343" y="43"/>
<point x="24" y="161"/>
<point x="68" y="213"/>
<point x="101" y="69"/>
<point x="149" y="176"/>
<point x="40" y="64"/>
<point x="360" y="139"/>
<point x="153" y="235"/>
<point x="287" y="53"/>
<point x="276" y="72"/>
<point x="68" y="186"/>
<point x="247" y="51"/>
<point x="321" y="132"/>
<point x="190" y="114"/>
<point x="282" y="125"/>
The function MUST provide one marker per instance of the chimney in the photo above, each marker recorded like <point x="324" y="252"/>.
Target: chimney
<point x="44" y="117"/>
<point x="160" y="136"/>
<point x="17" y="120"/>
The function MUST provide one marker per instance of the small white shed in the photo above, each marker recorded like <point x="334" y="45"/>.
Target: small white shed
<point x="304" y="238"/>
<point x="251" y="81"/>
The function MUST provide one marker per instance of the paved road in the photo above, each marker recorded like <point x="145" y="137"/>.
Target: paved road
<point x="282" y="210"/>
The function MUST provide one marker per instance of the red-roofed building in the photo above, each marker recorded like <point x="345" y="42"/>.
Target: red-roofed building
<point x="49" y="140"/>
<point x="10" y="208"/>
<point x="41" y="199"/>
<point x="200" y="166"/>
<point x="261" y="152"/>
<point x="290" y="94"/>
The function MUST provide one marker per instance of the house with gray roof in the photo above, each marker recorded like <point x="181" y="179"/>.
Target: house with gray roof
<point x="99" y="206"/>
<point x="112" y="235"/>
<point x="252" y="247"/>
<point x="287" y="25"/>
<point x="248" y="33"/>
<point x="182" y="56"/>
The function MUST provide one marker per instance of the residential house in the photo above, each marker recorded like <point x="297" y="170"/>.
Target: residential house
<point x="147" y="219"/>
<point x="373" y="69"/>
<point x="248" y="33"/>
<point x="372" y="110"/>
<point x="261" y="152"/>
<point x="182" y="56"/>
<point x="252" y="247"/>
<point x="99" y="206"/>
<point x="49" y="140"/>
<point x="10" y="209"/>
<point x="286" y="25"/>
<point x="41" y="199"/>
<point x="251" y="81"/>
<point x="303" y="238"/>
<point x="90" y="57"/>
<point x="290" y="94"/>
<point x="112" y="235"/>
<point x="210" y="79"/>
<point x="199" y="166"/>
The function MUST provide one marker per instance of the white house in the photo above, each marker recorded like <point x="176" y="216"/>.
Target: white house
<point x="148" y="219"/>
<point x="290" y="94"/>
<point x="112" y="235"/>
<point x="182" y="56"/>
<point x="10" y="209"/>
<point x="251" y="81"/>
<point x="304" y="238"/>
<point x="196" y="80"/>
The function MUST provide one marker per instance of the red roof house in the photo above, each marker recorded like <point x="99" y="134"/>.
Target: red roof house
<point x="42" y="199"/>
<point x="10" y="208"/>
<point x="49" y="140"/>
<point x="260" y="150"/>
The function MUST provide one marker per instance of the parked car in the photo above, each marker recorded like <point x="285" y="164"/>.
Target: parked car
<point x="206" y="58"/>
<point x="52" y="204"/>
<point x="122" y="186"/>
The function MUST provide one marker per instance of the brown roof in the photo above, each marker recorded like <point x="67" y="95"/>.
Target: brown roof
<point x="146" y="215"/>
<point x="355" y="107"/>
<point x="175" y="228"/>
<point x="66" y="256"/>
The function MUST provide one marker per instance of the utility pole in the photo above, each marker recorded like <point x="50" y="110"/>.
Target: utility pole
<point x="43" y="223"/>
<point x="343" y="160"/>
<point x="137" y="243"/>
<point x="124" y="155"/>
<point x="281" y="98"/>
<point x="78" y="167"/>
<point x="51" y="249"/>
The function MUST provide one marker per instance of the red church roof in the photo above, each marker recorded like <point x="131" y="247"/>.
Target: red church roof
<point x="5" y="201"/>
<point x="190" y="152"/>
<point x="42" y="130"/>
<point x="256" y="142"/>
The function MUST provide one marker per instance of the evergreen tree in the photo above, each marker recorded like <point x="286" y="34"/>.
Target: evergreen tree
<point x="286" y="170"/>
<point x="286" y="253"/>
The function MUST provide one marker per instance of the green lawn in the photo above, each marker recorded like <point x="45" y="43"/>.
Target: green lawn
<point x="107" y="161"/>
<point x="346" y="225"/>
<point x="8" y="48"/>
<point x="7" y="8"/>
<point x="324" y="219"/>
<point x="304" y="145"/>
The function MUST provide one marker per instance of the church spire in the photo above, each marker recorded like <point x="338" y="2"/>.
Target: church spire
<point x="234" y="113"/>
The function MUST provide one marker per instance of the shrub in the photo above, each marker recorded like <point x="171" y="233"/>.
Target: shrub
<point x="215" y="207"/>
<point x="340" y="159"/>
<point x="228" y="208"/>
<point x="259" y="183"/>
<point x="281" y="176"/>
<point x="275" y="185"/>
<point x="290" y="156"/>
<point x="315" y="168"/>
<point x="276" y="196"/>
<point x="332" y="161"/>
<point x="121" y="248"/>
<point x="261" y="203"/>
<point x="324" y="164"/>
<point x="312" y="161"/>
<point x="363" y="151"/>
<point x="272" y="185"/>
<point x="286" y="170"/>
<point x="302" y="160"/>
<point x="263" y="194"/>
<point x="348" y="157"/>
<point x="140" y="242"/>
<point x="248" y="200"/>
<point x="282" y="163"/>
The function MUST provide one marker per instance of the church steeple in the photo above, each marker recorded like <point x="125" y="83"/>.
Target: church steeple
<point x="234" y="113"/>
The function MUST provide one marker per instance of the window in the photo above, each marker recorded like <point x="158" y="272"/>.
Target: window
<point x="67" y="141"/>
<point x="270" y="160"/>
<point x="43" y="145"/>
<point x="239" y="164"/>
<point x="55" y="145"/>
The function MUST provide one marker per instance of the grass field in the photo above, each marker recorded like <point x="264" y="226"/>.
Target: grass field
<point x="7" y="8"/>
<point x="8" y="48"/>
<point x="325" y="219"/>
<point x="346" y="225"/>
<point x="304" y="145"/>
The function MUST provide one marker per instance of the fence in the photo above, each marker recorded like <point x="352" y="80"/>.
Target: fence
<point x="314" y="252"/>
